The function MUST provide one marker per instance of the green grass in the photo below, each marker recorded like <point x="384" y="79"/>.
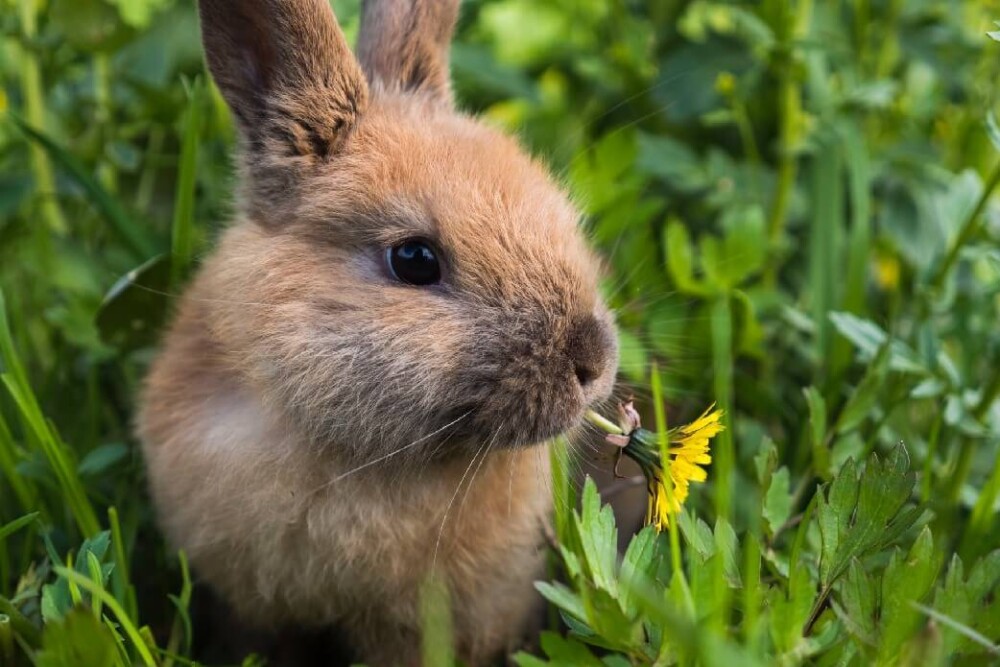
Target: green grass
<point x="798" y="203"/>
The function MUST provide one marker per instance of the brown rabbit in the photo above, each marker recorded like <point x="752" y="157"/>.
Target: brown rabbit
<point x="358" y="383"/>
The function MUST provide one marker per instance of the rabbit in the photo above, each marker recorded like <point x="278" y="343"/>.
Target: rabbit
<point x="357" y="387"/>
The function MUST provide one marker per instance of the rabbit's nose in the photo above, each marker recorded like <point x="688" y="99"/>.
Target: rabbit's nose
<point x="590" y="346"/>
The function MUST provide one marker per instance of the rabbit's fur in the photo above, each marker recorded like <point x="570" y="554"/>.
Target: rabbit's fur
<point x="319" y="436"/>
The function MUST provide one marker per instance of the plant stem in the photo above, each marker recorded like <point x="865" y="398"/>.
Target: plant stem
<point x="722" y="368"/>
<point x="745" y="128"/>
<point x="663" y="440"/>
<point x="795" y="26"/>
<point x="107" y="173"/>
<point x="927" y="483"/>
<point x="981" y="513"/>
<point x="34" y="114"/>
<point x="967" y="445"/>
<point x="970" y="228"/>
<point x="751" y="593"/>
<point x="147" y="179"/>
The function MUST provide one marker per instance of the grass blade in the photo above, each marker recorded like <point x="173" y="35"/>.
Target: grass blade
<point x="825" y="225"/>
<point x="56" y="453"/>
<point x="960" y="628"/>
<point x="124" y="622"/>
<point x="17" y="524"/>
<point x="182" y="230"/>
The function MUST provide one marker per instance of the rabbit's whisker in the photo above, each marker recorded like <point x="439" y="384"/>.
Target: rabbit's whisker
<point x="397" y="451"/>
<point x="175" y="295"/>
<point x="472" y="480"/>
<point x="447" y="510"/>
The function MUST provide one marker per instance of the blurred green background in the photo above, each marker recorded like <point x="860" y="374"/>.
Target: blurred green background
<point x="795" y="198"/>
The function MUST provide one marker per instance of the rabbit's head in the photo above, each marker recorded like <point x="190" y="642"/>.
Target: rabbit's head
<point x="402" y="277"/>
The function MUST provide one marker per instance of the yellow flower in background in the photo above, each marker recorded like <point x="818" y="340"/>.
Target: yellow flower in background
<point x="725" y="84"/>
<point x="688" y="451"/>
<point x="886" y="271"/>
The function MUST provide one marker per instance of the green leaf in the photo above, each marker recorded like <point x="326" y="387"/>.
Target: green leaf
<point x="598" y="538"/>
<point x="78" y="639"/>
<point x="727" y="546"/>
<point x="790" y="611"/>
<point x="967" y="601"/>
<point x="101" y="458"/>
<point x="633" y="359"/>
<point x="862" y="515"/>
<point x="612" y="627"/>
<point x="680" y="258"/>
<point x="834" y="513"/>
<point x="87" y="25"/>
<point x="905" y="581"/>
<point x="817" y="430"/>
<point x="522" y="659"/>
<point x="713" y="262"/>
<point x="993" y="129"/>
<point x="56" y="598"/>
<point x="765" y="461"/>
<point x="869" y="338"/>
<point x="638" y="566"/>
<point x="672" y="161"/>
<point x="859" y="406"/>
<point x="562" y="597"/>
<point x="697" y="534"/>
<point x="744" y="244"/>
<point x="602" y="174"/>
<point x="984" y="577"/>
<point x="995" y="34"/>
<point x="778" y="501"/>
<point x="859" y="595"/>
<point x="139" y="13"/>
<point x="567" y="652"/>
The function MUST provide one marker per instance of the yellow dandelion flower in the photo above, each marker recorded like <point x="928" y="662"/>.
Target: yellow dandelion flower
<point x="688" y="451"/>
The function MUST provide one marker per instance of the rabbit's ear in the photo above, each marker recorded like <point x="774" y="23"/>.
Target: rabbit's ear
<point x="403" y="44"/>
<point x="287" y="73"/>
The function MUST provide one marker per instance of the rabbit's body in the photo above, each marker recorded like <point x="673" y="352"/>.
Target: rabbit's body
<point x="276" y="530"/>
<point x="328" y="422"/>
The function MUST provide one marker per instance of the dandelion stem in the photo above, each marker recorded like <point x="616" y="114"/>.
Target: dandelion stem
<point x="603" y="423"/>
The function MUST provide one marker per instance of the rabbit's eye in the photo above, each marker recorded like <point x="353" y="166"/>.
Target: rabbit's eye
<point x="415" y="262"/>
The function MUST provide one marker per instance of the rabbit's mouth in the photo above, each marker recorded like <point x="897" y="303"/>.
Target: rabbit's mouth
<point x="515" y="421"/>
